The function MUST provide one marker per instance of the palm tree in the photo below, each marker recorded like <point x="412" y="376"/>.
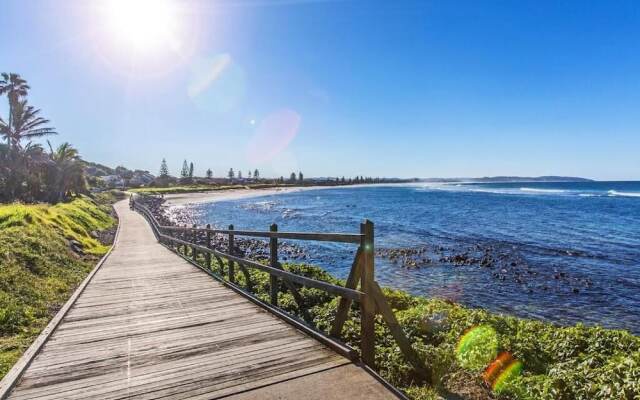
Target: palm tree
<point x="24" y="123"/>
<point x="14" y="87"/>
<point x="21" y="172"/>
<point x="66" y="175"/>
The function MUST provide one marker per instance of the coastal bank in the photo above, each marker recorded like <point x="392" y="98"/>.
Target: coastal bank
<point x="466" y="348"/>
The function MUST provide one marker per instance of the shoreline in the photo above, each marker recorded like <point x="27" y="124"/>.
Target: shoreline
<point x="439" y="326"/>
<point x="213" y="196"/>
<point x="181" y="199"/>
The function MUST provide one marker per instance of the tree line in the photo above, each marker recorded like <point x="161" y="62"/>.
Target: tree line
<point x="187" y="176"/>
<point x="29" y="172"/>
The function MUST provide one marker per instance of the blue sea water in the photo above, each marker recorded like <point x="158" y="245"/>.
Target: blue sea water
<point x="575" y="246"/>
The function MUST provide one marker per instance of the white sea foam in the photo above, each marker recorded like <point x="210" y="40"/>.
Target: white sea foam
<point x="623" y="194"/>
<point x="525" y="191"/>
<point x="535" y="190"/>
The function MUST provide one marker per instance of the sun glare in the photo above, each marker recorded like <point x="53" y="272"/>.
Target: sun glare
<point x="145" y="25"/>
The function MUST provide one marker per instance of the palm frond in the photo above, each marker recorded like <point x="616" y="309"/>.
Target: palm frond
<point x="39" y="133"/>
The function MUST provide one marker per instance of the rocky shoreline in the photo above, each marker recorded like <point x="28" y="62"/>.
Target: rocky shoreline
<point x="251" y="248"/>
<point x="503" y="262"/>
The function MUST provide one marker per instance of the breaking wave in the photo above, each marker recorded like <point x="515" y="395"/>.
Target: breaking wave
<point x="534" y="190"/>
<point x="623" y="194"/>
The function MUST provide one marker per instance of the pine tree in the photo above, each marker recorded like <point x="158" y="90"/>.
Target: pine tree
<point x="190" y="170"/>
<point x="239" y="174"/>
<point x="185" y="169"/>
<point x="249" y="174"/>
<point x="231" y="174"/>
<point x="209" y="173"/>
<point x="164" y="170"/>
<point x="300" y="176"/>
<point x="292" y="178"/>
<point x="256" y="174"/>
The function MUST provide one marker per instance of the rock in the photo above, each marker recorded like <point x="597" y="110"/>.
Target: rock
<point x="76" y="247"/>
<point x="435" y="323"/>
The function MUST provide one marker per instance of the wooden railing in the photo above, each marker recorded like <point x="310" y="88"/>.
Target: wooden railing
<point x="369" y="295"/>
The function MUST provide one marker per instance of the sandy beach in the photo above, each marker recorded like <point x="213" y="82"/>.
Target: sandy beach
<point x="231" y="194"/>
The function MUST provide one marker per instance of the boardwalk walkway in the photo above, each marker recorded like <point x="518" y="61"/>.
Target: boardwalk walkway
<point x="149" y="325"/>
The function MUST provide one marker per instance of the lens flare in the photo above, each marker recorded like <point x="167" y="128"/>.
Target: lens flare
<point x="273" y="135"/>
<point x="477" y="347"/>
<point x="498" y="365"/>
<point x="218" y="84"/>
<point x="506" y="375"/>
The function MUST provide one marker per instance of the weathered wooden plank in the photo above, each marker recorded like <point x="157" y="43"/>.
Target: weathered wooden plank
<point x="141" y="373"/>
<point x="344" y="304"/>
<point x="150" y="325"/>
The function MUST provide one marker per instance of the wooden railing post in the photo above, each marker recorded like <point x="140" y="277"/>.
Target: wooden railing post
<point x="232" y="272"/>
<point x="182" y="236"/>
<point x="208" y="245"/>
<point x="273" y="262"/>
<point x="367" y="306"/>
<point x="342" y="311"/>
<point x="194" y="252"/>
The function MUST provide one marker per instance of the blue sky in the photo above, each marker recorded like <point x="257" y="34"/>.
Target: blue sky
<point x="429" y="88"/>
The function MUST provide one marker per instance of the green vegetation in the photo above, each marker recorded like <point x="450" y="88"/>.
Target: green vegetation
<point x="27" y="172"/>
<point x="550" y="362"/>
<point x="38" y="268"/>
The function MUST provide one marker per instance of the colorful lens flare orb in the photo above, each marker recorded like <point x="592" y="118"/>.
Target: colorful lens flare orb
<point x="501" y="371"/>
<point x="477" y="347"/>
<point x="273" y="135"/>
<point x="218" y="84"/>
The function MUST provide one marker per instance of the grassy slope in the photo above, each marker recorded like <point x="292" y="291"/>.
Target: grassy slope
<point x="569" y="363"/>
<point x="38" y="271"/>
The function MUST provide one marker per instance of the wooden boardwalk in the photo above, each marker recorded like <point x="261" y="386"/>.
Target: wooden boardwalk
<point x="149" y="325"/>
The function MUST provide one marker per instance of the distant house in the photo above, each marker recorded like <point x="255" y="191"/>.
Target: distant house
<point x="113" y="181"/>
<point x="141" y="178"/>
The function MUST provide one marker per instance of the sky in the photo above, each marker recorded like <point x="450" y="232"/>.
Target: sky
<point x="337" y="88"/>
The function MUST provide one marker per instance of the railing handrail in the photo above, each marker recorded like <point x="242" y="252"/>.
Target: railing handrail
<point x="370" y="296"/>
<point x="354" y="238"/>
<point x="351" y="294"/>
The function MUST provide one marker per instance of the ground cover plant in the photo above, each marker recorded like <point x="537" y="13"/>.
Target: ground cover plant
<point x="45" y="252"/>
<point x="477" y="354"/>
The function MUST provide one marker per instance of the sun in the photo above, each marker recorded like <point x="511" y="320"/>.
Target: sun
<point x="144" y="25"/>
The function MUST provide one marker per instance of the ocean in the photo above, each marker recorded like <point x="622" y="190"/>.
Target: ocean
<point x="563" y="252"/>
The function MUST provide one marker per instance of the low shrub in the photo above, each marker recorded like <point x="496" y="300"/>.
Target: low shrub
<point x="38" y="268"/>
<point x="575" y="362"/>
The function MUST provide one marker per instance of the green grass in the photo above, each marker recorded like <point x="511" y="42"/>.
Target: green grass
<point x="558" y="363"/>
<point x="38" y="270"/>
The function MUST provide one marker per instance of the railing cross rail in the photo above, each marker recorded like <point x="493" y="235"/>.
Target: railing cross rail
<point x="369" y="296"/>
